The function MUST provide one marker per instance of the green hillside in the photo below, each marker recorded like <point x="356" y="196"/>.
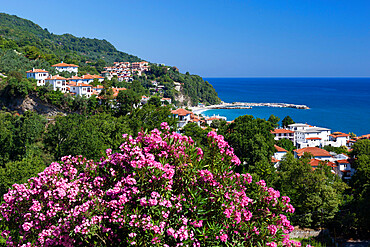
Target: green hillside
<point x="35" y="43"/>
<point x="25" y="45"/>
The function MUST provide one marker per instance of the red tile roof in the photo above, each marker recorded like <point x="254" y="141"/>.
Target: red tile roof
<point x="181" y="112"/>
<point x="273" y="160"/>
<point x="313" y="138"/>
<point x="84" y="85"/>
<point x="314" y="162"/>
<point x="116" y="91"/>
<point x="315" y="151"/>
<point x="339" y="134"/>
<point x="64" y="65"/>
<point x="280" y="149"/>
<point x="56" y="77"/>
<point x="37" y="71"/>
<point x="278" y="131"/>
<point x="343" y="161"/>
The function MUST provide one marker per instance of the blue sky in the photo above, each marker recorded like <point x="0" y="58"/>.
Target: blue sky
<point x="220" y="38"/>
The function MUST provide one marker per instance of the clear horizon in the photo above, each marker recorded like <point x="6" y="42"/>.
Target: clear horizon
<point x="235" y="38"/>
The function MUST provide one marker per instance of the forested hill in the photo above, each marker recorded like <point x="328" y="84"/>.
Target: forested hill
<point x="39" y="42"/>
<point x="25" y="45"/>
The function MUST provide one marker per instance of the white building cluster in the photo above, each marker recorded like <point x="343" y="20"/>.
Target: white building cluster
<point x="75" y="85"/>
<point x="305" y="135"/>
<point x="125" y="70"/>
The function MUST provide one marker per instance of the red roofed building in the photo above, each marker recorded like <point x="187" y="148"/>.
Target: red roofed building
<point x="164" y="100"/>
<point x="316" y="152"/>
<point x="209" y="120"/>
<point x="183" y="116"/>
<point x="283" y="134"/>
<point x="338" y="139"/>
<point x="66" y="67"/>
<point x="58" y="83"/>
<point x="278" y="155"/>
<point x="117" y="90"/>
<point x="344" y="169"/>
<point x="316" y="162"/>
<point x="38" y="74"/>
<point x="81" y="89"/>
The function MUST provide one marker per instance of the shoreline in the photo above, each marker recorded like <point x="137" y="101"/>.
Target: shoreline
<point x="245" y="105"/>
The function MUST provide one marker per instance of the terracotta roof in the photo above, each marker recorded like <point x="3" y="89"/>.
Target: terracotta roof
<point x="88" y="76"/>
<point x="280" y="149"/>
<point x="116" y="91"/>
<point x="314" y="162"/>
<point x="37" y="70"/>
<point x="56" y="77"/>
<point x="181" y="112"/>
<point x="72" y="84"/>
<point x="339" y="134"/>
<point x="315" y="151"/>
<point x="83" y="85"/>
<point x="343" y="161"/>
<point x="278" y="131"/>
<point x="313" y="138"/>
<point x="64" y="65"/>
<point x="99" y="86"/>
<point x="273" y="160"/>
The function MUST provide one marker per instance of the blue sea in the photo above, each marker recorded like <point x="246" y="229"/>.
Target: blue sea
<point x="341" y="104"/>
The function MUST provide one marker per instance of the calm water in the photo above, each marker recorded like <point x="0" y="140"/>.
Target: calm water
<point x="342" y="104"/>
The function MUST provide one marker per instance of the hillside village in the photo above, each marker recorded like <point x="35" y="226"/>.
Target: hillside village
<point x="124" y="72"/>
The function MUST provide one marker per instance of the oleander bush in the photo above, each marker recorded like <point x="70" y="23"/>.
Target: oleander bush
<point x="160" y="190"/>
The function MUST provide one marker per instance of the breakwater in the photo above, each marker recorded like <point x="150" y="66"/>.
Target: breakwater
<point x="246" y="105"/>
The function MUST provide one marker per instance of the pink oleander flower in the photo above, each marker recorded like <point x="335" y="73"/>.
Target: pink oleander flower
<point x="159" y="184"/>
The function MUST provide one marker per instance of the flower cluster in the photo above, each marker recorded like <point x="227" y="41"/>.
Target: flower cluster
<point x="160" y="190"/>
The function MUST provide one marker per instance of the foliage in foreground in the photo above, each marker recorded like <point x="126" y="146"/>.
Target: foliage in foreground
<point x="159" y="190"/>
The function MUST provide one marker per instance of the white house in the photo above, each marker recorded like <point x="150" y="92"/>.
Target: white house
<point x="278" y="155"/>
<point x="283" y="134"/>
<point x="338" y="139"/>
<point x="38" y="74"/>
<point x="81" y="89"/>
<point x="164" y="100"/>
<point x="344" y="169"/>
<point x="58" y="83"/>
<point x="213" y="118"/>
<point x="183" y="116"/>
<point x="66" y="67"/>
<point x="309" y="136"/>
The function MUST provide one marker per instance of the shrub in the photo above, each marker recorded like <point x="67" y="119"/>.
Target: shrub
<point x="159" y="190"/>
